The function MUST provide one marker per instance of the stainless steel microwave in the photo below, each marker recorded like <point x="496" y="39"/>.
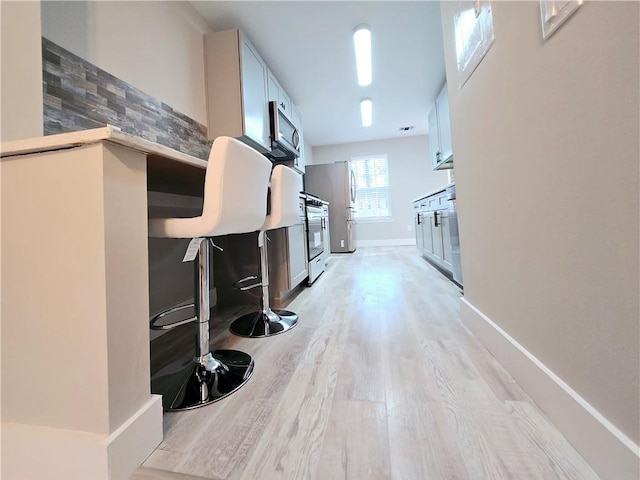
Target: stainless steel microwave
<point x="285" y="139"/>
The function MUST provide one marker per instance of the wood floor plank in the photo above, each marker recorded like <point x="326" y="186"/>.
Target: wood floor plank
<point x="356" y="443"/>
<point x="492" y="447"/>
<point x="298" y="430"/>
<point x="552" y="448"/>
<point x="379" y="380"/>
<point x="155" y="474"/>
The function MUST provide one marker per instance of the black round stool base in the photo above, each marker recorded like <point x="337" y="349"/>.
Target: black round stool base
<point x="187" y="385"/>
<point x="260" y="324"/>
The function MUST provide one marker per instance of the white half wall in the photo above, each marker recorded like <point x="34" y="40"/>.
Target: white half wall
<point x="157" y="47"/>
<point x="546" y="142"/>
<point x="410" y="176"/>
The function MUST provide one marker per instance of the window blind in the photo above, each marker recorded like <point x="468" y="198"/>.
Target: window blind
<point x="372" y="181"/>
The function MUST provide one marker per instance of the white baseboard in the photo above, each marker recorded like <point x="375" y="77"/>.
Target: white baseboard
<point x="386" y="243"/>
<point x="33" y="452"/>
<point x="609" y="451"/>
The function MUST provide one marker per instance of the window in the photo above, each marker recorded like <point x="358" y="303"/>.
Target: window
<point x="372" y="181"/>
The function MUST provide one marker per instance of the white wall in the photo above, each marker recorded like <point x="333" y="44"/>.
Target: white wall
<point x="155" y="46"/>
<point x="308" y="153"/>
<point x="410" y="176"/>
<point x="21" y="71"/>
<point x="546" y="142"/>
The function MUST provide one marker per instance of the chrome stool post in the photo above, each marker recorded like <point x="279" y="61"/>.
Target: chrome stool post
<point x="209" y="376"/>
<point x="284" y="212"/>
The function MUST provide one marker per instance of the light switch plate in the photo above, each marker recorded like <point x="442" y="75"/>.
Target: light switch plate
<point x="554" y="13"/>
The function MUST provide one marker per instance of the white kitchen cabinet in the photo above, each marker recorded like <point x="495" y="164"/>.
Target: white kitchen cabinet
<point x="440" y="146"/>
<point x="273" y="87"/>
<point x="418" y="221"/>
<point x="236" y="79"/>
<point x="297" y="242"/>
<point x="427" y="234"/>
<point x="431" y="217"/>
<point x="277" y="94"/>
<point x="287" y="256"/>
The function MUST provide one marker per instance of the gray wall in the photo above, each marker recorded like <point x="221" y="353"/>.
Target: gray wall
<point x="162" y="41"/>
<point x="410" y="176"/>
<point x="21" y="71"/>
<point x="545" y="136"/>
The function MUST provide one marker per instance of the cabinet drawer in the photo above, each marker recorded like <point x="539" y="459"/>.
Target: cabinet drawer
<point x="438" y="201"/>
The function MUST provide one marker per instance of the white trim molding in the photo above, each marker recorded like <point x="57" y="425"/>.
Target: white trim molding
<point x="33" y="452"/>
<point x="389" y="242"/>
<point x="609" y="451"/>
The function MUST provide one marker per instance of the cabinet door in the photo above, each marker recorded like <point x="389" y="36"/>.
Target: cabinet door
<point x="254" y="94"/>
<point x="427" y="238"/>
<point x="434" y="136"/>
<point x="436" y="233"/>
<point x="285" y="102"/>
<point x="418" y="220"/>
<point x="444" y="125"/>
<point x="273" y="88"/>
<point x="446" y="240"/>
<point x="297" y="254"/>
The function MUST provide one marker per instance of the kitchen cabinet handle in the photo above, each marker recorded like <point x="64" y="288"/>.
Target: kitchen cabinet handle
<point x="419" y="219"/>
<point x="435" y="219"/>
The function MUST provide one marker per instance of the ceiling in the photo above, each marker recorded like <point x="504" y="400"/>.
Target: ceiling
<point x="308" y="45"/>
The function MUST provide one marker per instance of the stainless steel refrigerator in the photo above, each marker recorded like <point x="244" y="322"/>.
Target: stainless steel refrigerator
<point x="335" y="183"/>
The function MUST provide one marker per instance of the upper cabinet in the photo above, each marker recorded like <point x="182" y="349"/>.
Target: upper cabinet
<point x="237" y="92"/>
<point x="277" y="94"/>
<point x="441" y="151"/>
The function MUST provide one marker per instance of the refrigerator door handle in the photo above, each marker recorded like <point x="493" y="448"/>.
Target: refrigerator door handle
<point x="353" y="188"/>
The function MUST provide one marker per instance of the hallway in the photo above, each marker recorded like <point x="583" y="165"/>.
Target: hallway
<point x="379" y="380"/>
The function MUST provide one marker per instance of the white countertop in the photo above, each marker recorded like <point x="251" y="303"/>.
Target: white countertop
<point x="95" y="135"/>
<point x="434" y="192"/>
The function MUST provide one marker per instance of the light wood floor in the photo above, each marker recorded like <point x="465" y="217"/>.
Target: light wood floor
<point x="379" y="380"/>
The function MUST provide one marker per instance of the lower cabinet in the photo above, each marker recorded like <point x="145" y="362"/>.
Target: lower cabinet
<point x="431" y="219"/>
<point x="297" y="267"/>
<point x="287" y="249"/>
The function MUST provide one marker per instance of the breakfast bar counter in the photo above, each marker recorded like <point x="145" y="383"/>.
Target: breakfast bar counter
<point x="75" y="301"/>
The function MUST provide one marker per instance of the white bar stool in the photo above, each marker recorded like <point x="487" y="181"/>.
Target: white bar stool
<point x="285" y="190"/>
<point x="235" y="201"/>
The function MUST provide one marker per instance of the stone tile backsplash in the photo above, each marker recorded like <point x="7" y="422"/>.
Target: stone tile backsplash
<point x="79" y="96"/>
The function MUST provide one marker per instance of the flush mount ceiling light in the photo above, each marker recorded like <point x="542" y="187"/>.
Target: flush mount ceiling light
<point x="362" y="43"/>
<point x="366" y="110"/>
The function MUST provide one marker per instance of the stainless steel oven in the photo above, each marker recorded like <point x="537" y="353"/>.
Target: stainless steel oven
<point x="316" y="237"/>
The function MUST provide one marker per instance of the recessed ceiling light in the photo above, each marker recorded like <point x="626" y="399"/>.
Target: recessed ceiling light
<point x="366" y="110"/>
<point x="362" y="43"/>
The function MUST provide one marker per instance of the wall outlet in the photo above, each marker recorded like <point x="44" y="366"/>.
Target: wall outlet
<point x="342" y="243"/>
<point x="408" y="228"/>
